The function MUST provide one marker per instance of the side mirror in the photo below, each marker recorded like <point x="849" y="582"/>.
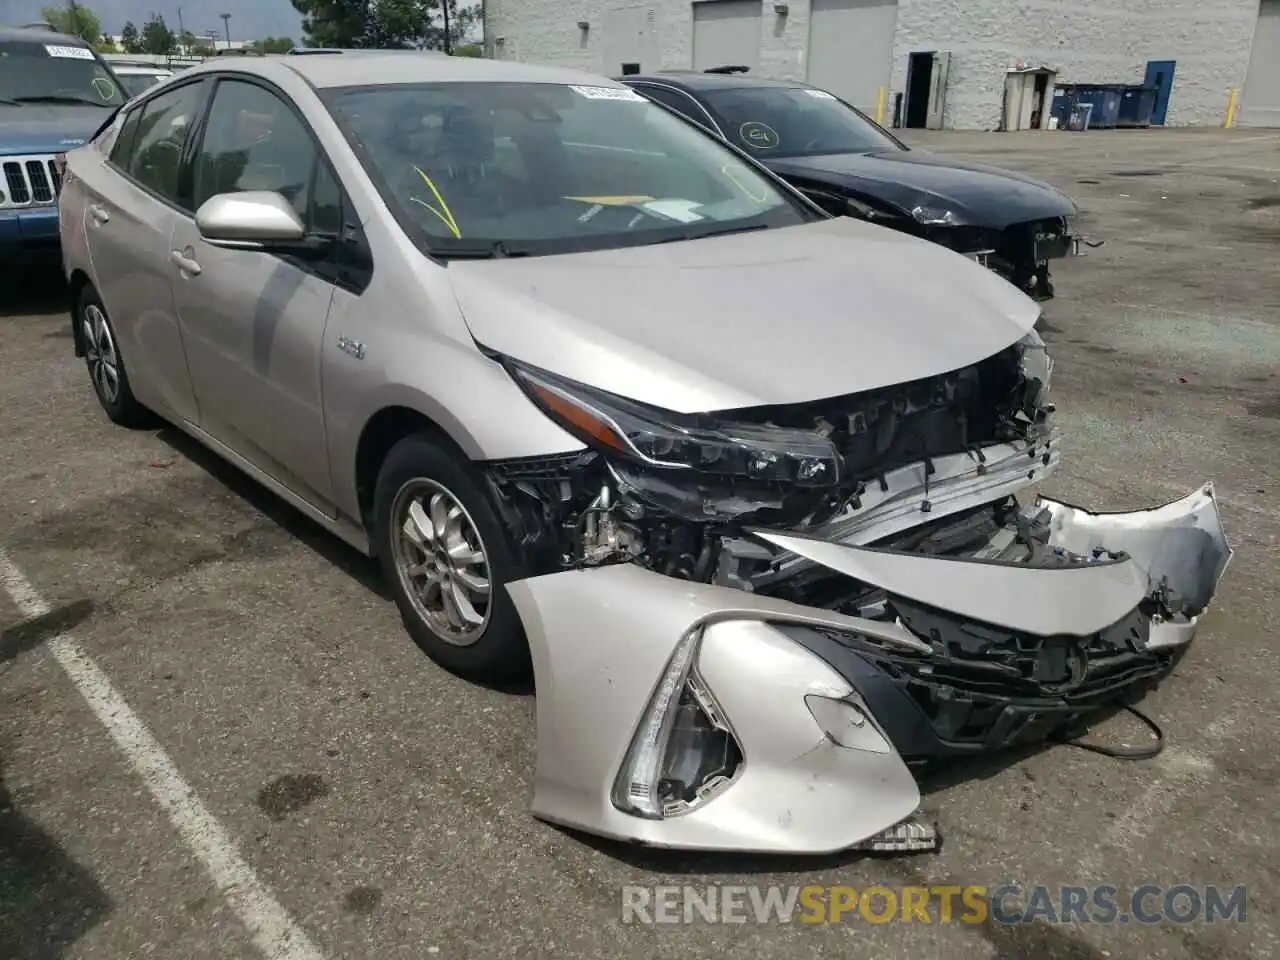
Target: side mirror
<point x="250" y="220"/>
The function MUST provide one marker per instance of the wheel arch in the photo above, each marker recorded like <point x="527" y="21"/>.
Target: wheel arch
<point x="381" y="432"/>
<point x="77" y="283"/>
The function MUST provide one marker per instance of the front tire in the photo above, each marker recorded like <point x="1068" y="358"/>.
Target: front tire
<point x="106" y="366"/>
<point x="447" y="559"/>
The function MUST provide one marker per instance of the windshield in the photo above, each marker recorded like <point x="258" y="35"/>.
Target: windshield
<point x="136" y="83"/>
<point x="34" y="72"/>
<point x="528" y="169"/>
<point x="775" y="122"/>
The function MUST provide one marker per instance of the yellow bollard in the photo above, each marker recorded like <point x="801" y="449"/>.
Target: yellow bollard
<point x="1231" y="109"/>
<point x="884" y="93"/>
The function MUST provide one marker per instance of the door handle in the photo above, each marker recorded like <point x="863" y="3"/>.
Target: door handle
<point x="184" y="262"/>
<point x="99" y="213"/>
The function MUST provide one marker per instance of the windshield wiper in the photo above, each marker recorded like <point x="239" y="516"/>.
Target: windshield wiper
<point x="54" y="98"/>
<point x="496" y="250"/>
<point x="699" y="234"/>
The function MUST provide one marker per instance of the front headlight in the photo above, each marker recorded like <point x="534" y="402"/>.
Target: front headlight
<point x="671" y="441"/>
<point x="683" y="753"/>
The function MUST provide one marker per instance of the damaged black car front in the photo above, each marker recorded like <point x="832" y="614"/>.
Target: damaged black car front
<point x="848" y="165"/>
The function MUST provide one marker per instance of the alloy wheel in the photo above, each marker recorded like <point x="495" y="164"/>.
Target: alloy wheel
<point x="100" y="354"/>
<point x="441" y="561"/>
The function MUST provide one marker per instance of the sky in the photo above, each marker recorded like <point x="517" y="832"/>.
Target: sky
<point x="250" y="19"/>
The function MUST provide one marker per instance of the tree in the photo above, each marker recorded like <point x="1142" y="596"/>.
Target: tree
<point x="385" y="24"/>
<point x="462" y="21"/>
<point x="272" y="45"/>
<point x="107" y="45"/>
<point x="157" y="37"/>
<point x="130" y="39"/>
<point x="333" y="23"/>
<point x="75" y="21"/>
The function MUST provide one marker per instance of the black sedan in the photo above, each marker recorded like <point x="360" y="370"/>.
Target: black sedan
<point x="849" y="165"/>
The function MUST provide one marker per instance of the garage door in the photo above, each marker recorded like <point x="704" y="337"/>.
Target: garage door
<point x="629" y="35"/>
<point x="1260" y="105"/>
<point x="851" y="48"/>
<point x="726" y="32"/>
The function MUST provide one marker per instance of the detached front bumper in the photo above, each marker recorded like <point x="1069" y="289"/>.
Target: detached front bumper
<point x="687" y="715"/>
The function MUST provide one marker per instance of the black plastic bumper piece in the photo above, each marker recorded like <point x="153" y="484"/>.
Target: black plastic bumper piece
<point x="938" y="708"/>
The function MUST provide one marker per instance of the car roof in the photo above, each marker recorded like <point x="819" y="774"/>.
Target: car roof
<point x="136" y="68"/>
<point x="695" y="80"/>
<point x="355" y="68"/>
<point x="40" y="35"/>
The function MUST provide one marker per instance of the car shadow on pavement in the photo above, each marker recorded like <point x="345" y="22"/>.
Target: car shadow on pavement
<point x="37" y="290"/>
<point x="347" y="559"/>
<point x="47" y="900"/>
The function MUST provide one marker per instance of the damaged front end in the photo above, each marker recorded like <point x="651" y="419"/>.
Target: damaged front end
<point x="1020" y="253"/>
<point x="747" y="627"/>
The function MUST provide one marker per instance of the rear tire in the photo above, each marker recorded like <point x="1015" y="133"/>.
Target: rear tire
<point x="106" y="365"/>
<point x="447" y="558"/>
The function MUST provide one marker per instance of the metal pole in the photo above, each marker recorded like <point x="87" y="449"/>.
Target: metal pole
<point x="226" y="25"/>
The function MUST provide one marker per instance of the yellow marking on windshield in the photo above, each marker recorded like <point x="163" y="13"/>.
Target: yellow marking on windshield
<point x="444" y="213"/>
<point x="103" y="88"/>
<point x="762" y="198"/>
<point x="442" y="218"/>
<point x="619" y="201"/>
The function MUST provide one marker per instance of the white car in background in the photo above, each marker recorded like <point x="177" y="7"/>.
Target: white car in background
<point x="139" y="77"/>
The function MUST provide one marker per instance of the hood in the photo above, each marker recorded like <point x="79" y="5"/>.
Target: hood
<point x="976" y="195"/>
<point x="784" y="315"/>
<point x="47" y="128"/>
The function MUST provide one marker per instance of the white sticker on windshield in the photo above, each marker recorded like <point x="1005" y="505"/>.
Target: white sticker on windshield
<point x="820" y="94"/>
<point x="69" y="53"/>
<point x="683" y="211"/>
<point x="607" y="93"/>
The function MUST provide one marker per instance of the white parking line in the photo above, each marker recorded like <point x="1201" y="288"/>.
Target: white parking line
<point x="274" y="933"/>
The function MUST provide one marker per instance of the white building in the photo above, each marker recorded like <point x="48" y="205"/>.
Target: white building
<point x="949" y="60"/>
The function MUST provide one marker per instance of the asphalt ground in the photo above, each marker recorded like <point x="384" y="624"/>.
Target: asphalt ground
<point x="288" y="759"/>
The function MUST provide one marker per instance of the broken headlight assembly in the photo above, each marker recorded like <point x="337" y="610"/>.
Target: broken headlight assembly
<point x="670" y="441"/>
<point x="1036" y="366"/>
<point x="683" y="753"/>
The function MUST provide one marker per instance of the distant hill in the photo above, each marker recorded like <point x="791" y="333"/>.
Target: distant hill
<point x="250" y="19"/>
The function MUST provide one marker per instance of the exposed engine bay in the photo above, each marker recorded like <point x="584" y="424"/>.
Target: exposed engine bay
<point x="801" y="468"/>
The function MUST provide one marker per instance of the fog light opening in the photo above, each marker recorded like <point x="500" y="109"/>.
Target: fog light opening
<point x="684" y="752"/>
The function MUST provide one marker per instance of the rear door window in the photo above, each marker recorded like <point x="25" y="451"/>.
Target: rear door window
<point x="122" y="148"/>
<point x="156" y="157"/>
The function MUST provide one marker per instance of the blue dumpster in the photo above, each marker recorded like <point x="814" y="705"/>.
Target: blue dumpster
<point x="1064" y="98"/>
<point x="1137" y="103"/>
<point x="1105" y="99"/>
